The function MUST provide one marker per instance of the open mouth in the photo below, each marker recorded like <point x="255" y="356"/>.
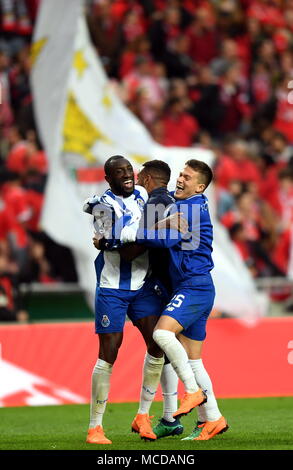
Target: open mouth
<point x="179" y="188"/>
<point x="128" y="184"/>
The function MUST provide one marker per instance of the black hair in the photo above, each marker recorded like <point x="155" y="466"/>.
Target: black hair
<point x="108" y="164"/>
<point x="159" y="169"/>
<point x="202" y="168"/>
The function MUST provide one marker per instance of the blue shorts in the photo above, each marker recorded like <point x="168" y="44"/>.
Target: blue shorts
<point x="191" y="307"/>
<point x="112" y="306"/>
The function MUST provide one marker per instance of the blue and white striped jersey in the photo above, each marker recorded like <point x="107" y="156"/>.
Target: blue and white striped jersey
<point x="111" y="214"/>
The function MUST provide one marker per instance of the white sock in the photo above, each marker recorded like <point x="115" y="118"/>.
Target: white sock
<point x="178" y="358"/>
<point x="100" y="389"/>
<point x="152" y="369"/>
<point x="209" y="411"/>
<point x="169" y="384"/>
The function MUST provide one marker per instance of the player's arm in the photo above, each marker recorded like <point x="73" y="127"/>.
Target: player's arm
<point x="174" y="221"/>
<point x="162" y="238"/>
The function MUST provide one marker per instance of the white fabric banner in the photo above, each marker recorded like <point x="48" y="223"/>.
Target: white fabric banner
<point x="82" y="123"/>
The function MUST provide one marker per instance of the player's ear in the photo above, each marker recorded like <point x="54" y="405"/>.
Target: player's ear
<point x="202" y="187"/>
<point x="107" y="178"/>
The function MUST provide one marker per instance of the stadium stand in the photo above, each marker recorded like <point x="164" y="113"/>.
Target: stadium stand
<point x="218" y="73"/>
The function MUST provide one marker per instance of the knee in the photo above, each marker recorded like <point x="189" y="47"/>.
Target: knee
<point x="109" y="356"/>
<point x="154" y="349"/>
<point x="163" y="337"/>
<point x="109" y="348"/>
<point x="102" y="366"/>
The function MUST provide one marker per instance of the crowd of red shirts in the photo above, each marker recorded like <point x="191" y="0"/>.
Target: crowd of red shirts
<point x="217" y="75"/>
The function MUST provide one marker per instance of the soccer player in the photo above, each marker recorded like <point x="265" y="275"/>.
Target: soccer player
<point x="181" y="329"/>
<point x="123" y="287"/>
<point x="154" y="177"/>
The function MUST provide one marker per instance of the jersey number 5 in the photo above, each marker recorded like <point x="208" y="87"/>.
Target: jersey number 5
<point x="177" y="300"/>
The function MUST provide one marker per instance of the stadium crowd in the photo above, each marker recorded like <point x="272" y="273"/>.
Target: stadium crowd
<point x="215" y="74"/>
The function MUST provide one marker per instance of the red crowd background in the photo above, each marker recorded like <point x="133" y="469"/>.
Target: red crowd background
<point x="216" y="75"/>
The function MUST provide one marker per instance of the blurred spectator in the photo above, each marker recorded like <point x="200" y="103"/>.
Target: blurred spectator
<point x="11" y="302"/>
<point x="177" y="60"/>
<point x="228" y="55"/>
<point x="145" y="84"/>
<point x="239" y="239"/>
<point x="133" y="25"/>
<point x="38" y="267"/>
<point x="283" y="119"/>
<point x="106" y="33"/>
<point x="261" y="86"/>
<point x="19" y="81"/>
<point x="252" y="234"/>
<point x="206" y="97"/>
<point x="164" y="30"/>
<point x="16" y="17"/>
<point x="179" y="128"/>
<point x="236" y="165"/>
<point x="203" y="36"/>
<point x="229" y="17"/>
<point x="226" y="198"/>
<point x="139" y="47"/>
<point x="14" y="198"/>
<point x="6" y="114"/>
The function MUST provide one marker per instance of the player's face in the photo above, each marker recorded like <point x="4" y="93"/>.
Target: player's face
<point x="121" y="178"/>
<point x="144" y="179"/>
<point x="141" y="178"/>
<point x="188" y="184"/>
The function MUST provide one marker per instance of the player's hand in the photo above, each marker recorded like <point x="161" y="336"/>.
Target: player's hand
<point x="96" y="241"/>
<point x="174" y="221"/>
<point x="178" y="222"/>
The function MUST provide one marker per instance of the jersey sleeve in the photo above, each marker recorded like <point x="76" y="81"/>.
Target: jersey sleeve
<point x="89" y="204"/>
<point x="162" y="238"/>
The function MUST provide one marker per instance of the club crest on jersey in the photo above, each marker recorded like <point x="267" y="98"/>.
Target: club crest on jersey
<point x="105" y="321"/>
<point x="140" y="203"/>
<point x="204" y="206"/>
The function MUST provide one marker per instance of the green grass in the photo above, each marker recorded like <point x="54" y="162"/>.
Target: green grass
<point x="255" y="423"/>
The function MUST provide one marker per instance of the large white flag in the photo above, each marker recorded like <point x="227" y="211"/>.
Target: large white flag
<point x="82" y="122"/>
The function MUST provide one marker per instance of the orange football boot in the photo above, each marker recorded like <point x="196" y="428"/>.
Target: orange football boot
<point x="212" y="428"/>
<point x="190" y="401"/>
<point x="142" y="425"/>
<point x="96" y="436"/>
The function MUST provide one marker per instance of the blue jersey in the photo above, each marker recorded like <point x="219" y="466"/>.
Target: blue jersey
<point x="191" y="255"/>
<point x="160" y="199"/>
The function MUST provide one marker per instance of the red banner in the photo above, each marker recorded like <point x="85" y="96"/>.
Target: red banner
<point x="52" y="363"/>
